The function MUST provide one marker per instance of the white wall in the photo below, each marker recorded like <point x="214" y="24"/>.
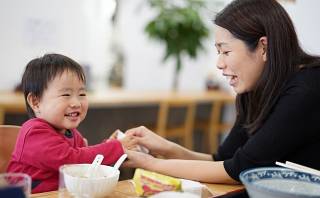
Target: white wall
<point x="81" y="29"/>
<point x="76" y="28"/>
<point x="305" y="15"/>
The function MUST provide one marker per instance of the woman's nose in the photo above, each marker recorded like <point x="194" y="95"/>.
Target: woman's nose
<point x="220" y="63"/>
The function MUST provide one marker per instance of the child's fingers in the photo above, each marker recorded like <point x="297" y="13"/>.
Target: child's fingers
<point x="133" y="148"/>
<point x="136" y="148"/>
<point x="129" y="142"/>
<point x="114" y="134"/>
<point x="85" y="142"/>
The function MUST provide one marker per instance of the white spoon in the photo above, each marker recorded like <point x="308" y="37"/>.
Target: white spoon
<point x="118" y="164"/>
<point x="93" y="166"/>
<point x="120" y="161"/>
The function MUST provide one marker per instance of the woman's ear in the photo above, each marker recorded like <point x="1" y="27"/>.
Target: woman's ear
<point x="33" y="102"/>
<point x="263" y="41"/>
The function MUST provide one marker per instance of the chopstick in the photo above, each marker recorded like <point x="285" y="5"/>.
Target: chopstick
<point x="299" y="167"/>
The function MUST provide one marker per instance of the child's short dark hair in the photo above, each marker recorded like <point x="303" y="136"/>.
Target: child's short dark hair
<point x="40" y="71"/>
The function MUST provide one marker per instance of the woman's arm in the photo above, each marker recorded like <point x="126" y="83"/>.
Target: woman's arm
<point x="175" y="151"/>
<point x="199" y="170"/>
<point x="158" y="145"/>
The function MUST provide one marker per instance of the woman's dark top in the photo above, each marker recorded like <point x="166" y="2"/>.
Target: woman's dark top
<point x="290" y="133"/>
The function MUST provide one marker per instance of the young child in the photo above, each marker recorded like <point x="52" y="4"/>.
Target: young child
<point x="55" y="95"/>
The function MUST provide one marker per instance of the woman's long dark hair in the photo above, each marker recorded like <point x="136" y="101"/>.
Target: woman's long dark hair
<point x="249" y="20"/>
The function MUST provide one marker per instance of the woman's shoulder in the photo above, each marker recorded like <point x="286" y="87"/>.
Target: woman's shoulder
<point x="309" y="72"/>
<point x="307" y="79"/>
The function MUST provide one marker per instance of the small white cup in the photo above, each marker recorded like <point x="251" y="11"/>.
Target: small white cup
<point x="16" y="180"/>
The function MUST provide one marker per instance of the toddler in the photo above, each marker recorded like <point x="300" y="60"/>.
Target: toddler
<point x="55" y="95"/>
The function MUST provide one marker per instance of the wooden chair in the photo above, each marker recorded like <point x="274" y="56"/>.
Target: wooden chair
<point x="8" y="137"/>
<point x="214" y="126"/>
<point x="182" y="131"/>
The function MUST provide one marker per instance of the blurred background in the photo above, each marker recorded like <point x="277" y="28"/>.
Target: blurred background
<point x="122" y="44"/>
<point x="103" y="34"/>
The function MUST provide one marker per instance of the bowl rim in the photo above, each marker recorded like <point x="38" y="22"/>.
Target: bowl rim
<point x="259" y="187"/>
<point x="117" y="172"/>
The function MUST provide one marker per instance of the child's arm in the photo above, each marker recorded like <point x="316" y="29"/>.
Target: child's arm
<point x="46" y="149"/>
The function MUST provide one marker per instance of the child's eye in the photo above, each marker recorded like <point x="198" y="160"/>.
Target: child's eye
<point x="65" y="94"/>
<point x="83" y="94"/>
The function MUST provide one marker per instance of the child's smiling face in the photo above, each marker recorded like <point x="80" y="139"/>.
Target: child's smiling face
<point x="64" y="102"/>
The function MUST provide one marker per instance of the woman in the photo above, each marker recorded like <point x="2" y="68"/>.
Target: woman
<point x="278" y="94"/>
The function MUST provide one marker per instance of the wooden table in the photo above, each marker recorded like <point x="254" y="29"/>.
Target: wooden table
<point x="125" y="189"/>
<point x="14" y="103"/>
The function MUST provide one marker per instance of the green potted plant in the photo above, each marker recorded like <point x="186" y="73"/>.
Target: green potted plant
<point x="180" y="28"/>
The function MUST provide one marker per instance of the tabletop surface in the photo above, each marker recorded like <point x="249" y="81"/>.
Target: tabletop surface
<point x="125" y="189"/>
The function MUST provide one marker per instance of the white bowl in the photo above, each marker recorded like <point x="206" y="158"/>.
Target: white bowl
<point x="280" y="182"/>
<point x="98" y="186"/>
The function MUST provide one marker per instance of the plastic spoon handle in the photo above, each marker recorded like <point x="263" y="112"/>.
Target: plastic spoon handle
<point x="93" y="166"/>
<point x="120" y="161"/>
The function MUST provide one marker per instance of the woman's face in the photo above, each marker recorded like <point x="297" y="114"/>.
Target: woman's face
<point x="239" y="65"/>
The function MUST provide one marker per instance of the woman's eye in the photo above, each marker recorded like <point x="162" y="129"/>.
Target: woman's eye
<point x="65" y="94"/>
<point x="223" y="52"/>
<point x="83" y="94"/>
<point x="226" y="53"/>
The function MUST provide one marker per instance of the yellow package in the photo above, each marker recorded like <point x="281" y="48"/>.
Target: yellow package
<point x="148" y="183"/>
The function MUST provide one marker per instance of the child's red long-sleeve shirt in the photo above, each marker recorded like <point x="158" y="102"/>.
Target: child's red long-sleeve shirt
<point x="40" y="150"/>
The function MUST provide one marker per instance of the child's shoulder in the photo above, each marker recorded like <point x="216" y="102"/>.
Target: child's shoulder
<point x="37" y="129"/>
<point x="36" y="122"/>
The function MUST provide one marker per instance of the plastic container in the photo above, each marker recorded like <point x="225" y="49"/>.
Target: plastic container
<point x="73" y="182"/>
<point x="22" y="180"/>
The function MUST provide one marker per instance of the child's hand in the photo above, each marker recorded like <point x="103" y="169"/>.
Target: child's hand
<point x="129" y="142"/>
<point x="85" y="141"/>
<point x="154" y="143"/>
<point x="114" y="135"/>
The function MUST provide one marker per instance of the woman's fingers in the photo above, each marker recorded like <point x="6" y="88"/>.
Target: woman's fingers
<point x="138" y="131"/>
<point x="137" y="159"/>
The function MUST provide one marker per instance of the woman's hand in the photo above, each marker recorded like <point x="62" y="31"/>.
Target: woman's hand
<point x="156" y="144"/>
<point x="139" y="160"/>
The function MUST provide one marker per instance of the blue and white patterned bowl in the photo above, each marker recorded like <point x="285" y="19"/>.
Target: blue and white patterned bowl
<point x="280" y="182"/>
